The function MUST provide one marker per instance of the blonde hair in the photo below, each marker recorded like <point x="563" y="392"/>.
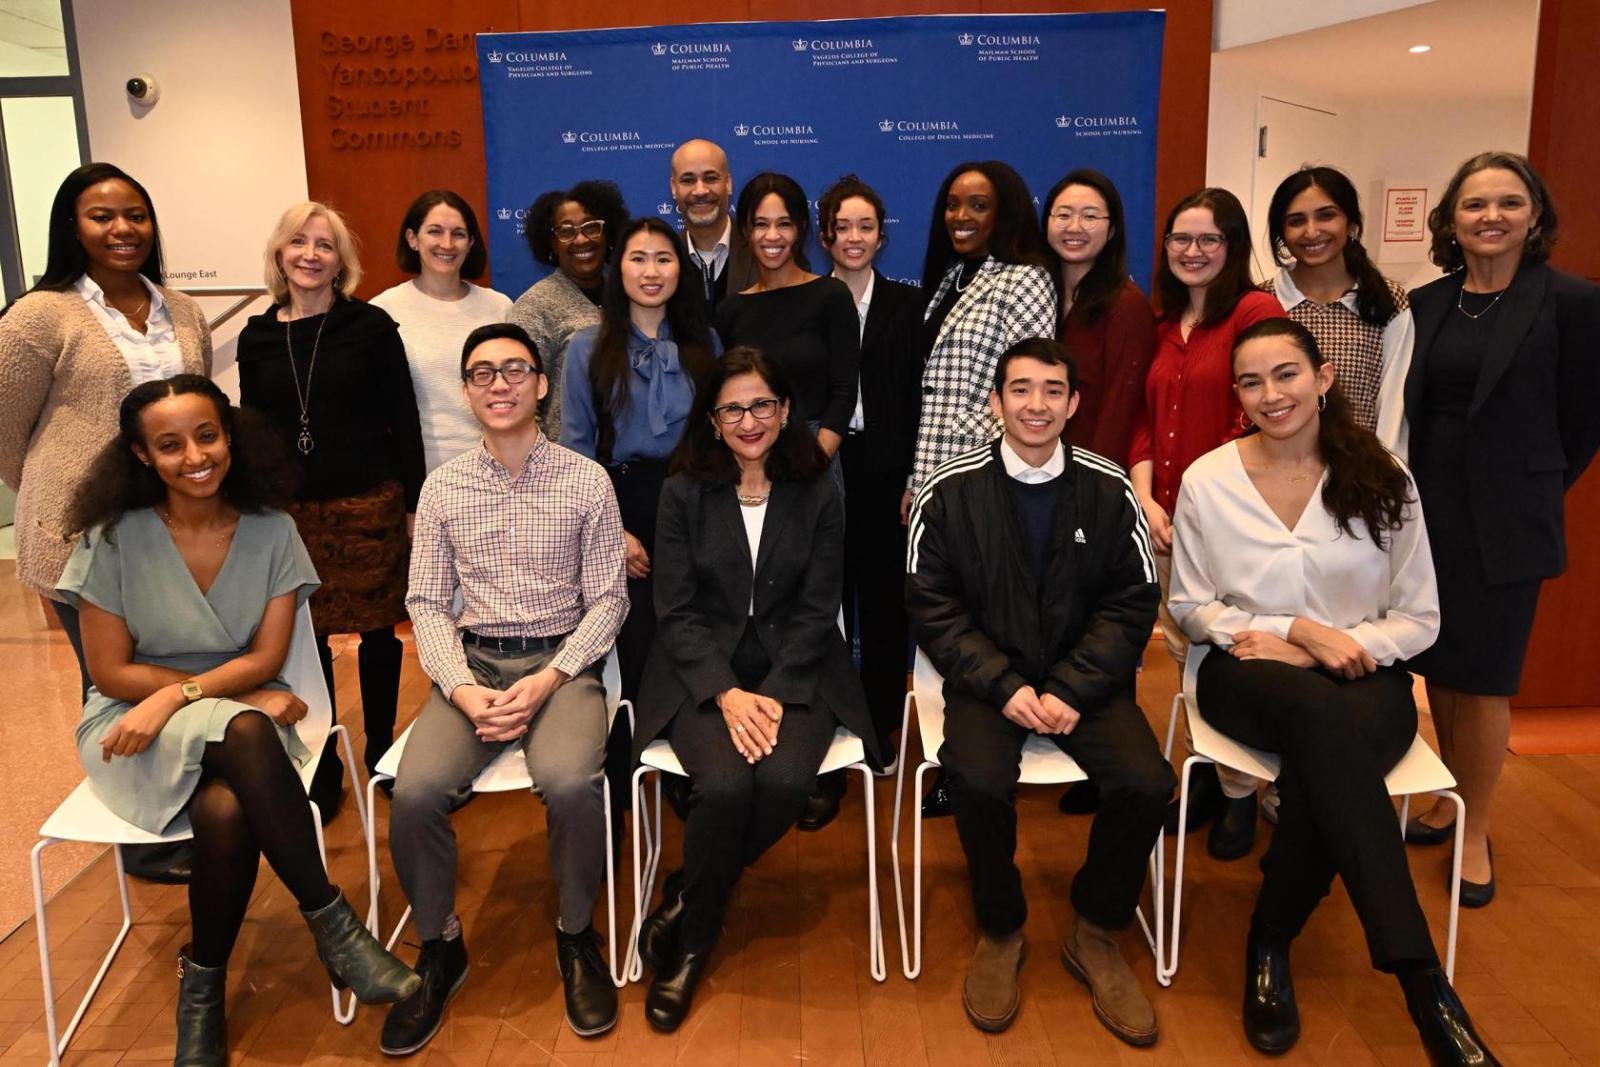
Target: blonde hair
<point x="293" y="221"/>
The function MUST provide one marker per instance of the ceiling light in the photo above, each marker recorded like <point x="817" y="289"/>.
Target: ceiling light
<point x="1418" y="49"/>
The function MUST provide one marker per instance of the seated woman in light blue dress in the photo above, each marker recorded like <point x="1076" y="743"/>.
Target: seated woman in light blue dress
<point x="188" y="581"/>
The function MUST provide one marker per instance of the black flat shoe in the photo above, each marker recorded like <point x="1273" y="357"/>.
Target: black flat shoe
<point x="166" y="863"/>
<point x="823" y="807"/>
<point x="672" y="992"/>
<point x="1234" y="834"/>
<point x="591" y="997"/>
<point x="936" y="801"/>
<point x="1271" y="1015"/>
<point x="1420" y="833"/>
<point x="1477" y="894"/>
<point x="1081" y="798"/>
<point x="1442" y="1022"/>
<point x="1205" y="801"/>
<point x="658" y="936"/>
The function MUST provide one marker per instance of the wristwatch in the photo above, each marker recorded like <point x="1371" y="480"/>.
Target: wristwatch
<point x="191" y="690"/>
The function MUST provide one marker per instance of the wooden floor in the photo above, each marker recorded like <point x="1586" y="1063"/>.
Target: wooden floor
<point x="789" y="983"/>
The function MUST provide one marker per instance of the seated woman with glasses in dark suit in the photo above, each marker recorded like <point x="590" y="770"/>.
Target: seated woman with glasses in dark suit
<point x="748" y="575"/>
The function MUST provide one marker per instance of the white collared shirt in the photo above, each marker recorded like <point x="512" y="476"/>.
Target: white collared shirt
<point x="858" y="420"/>
<point x="152" y="355"/>
<point x="1018" y="468"/>
<point x="719" y="253"/>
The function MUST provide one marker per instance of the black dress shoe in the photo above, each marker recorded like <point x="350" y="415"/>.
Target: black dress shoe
<point x="667" y="1003"/>
<point x="1234" y="834"/>
<point x="1420" y="833"/>
<point x="1442" y="1022"/>
<point x="1478" y="894"/>
<point x="936" y="801"/>
<point x="658" y="936"/>
<point x="168" y="863"/>
<point x="823" y="807"/>
<point x="1081" y="798"/>
<point x="1271" y="1016"/>
<point x="412" y="1022"/>
<point x="591" y="995"/>
<point x="1205" y="801"/>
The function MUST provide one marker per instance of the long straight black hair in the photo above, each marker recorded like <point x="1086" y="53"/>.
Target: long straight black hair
<point x="1374" y="302"/>
<point x="1016" y="239"/>
<point x="1099" y="290"/>
<point x="66" y="260"/>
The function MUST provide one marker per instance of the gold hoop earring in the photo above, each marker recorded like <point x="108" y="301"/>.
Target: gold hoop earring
<point x="1244" y="422"/>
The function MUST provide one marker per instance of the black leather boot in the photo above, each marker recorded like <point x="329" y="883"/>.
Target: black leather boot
<point x="354" y="958"/>
<point x="658" y="937"/>
<point x="590" y="994"/>
<point x="936" y="801"/>
<point x="202" y="1021"/>
<point x="1271" y="1016"/>
<point x="667" y="1003"/>
<point x="410" y="1024"/>
<point x="1234" y="834"/>
<point x="1442" y="1022"/>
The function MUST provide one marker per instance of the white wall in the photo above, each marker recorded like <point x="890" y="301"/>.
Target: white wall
<point x="221" y="152"/>
<point x="1237" y="22"/>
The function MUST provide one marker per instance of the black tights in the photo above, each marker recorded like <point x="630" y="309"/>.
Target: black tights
<point x="249" y="803"/>
<point x="378" y="669"/>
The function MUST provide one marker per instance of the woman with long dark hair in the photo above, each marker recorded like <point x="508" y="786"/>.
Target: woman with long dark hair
<point x="98" y="322"/>
<point x="1328" y="283"/>
<point x="1301" y="571"/>
<point x="1106" y="322"/>
<point x="1206" y="298"/>
<point x="187" y="578"/>
<point x="748" y="571"/>
<point x="1501" y="404"/>
<point x="441" y="246"/>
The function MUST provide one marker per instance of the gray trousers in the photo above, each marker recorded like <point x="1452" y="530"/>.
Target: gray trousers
<point x="565" y="747"/>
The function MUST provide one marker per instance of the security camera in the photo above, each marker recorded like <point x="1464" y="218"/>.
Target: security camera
<point x="143" y="90"/>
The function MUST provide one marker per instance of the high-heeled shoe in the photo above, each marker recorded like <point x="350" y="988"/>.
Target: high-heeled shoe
<point x="1477" y="894"/>
<point x="354" y="958"/>
<point x="202" y="1021"/>
<point x="1271" y="1014"/>
<point x="1442" y="1022"/>
<point x="658" y="936"/>
<point x="672" y="992"/>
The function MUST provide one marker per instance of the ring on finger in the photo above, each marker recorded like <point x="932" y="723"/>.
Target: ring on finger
<point x="738" y="729"/>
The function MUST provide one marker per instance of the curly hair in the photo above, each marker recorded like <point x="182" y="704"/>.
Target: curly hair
<point x="261" y="476"/>
<point x="835" y="195"/>
<point x="601" y="199"/>
<point x="1446" y="253"/>
<point x="1365" y="481"/>
<point x="795" y="456"/>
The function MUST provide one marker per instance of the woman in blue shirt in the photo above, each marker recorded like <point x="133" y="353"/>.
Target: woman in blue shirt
<point x="626" y="389"/>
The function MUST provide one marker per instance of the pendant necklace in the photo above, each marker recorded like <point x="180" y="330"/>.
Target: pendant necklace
<point x="1461" y="303"/>
<point x="303" y="442"/>
<point x="222" y="537"/>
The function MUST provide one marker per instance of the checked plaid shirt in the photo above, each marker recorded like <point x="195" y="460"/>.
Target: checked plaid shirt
<point x="533" y="554"/>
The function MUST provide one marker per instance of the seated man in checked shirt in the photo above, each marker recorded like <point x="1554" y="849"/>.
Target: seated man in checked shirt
<point x="528" y="534"/>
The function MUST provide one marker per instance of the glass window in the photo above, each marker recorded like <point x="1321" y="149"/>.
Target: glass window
<point x="33" y="42"/>
<point x="42" y="146"/>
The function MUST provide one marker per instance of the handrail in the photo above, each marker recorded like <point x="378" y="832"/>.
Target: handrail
<point x="247" y="295"/>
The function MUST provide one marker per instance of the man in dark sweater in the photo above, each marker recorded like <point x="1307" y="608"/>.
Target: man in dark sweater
<point x="1031" y="585"/>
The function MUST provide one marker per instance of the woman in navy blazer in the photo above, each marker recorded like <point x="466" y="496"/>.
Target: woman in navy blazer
<point x="1500" y="402"/>
<point x="749" y="676"/>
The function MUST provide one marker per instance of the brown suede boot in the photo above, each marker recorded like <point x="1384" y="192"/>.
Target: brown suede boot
<point x="1092" y="956"/>
<point x="990" y="994"/>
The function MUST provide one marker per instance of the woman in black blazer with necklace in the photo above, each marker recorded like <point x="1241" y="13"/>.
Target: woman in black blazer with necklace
<point x="1500" y="403"/>
<point x="749" y="676"/>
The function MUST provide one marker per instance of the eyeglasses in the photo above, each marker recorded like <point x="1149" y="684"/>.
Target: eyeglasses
<point x="567" y="232"/>
<point x="1180" y="242"/>
<point x="1089" y="219"/>
<point x="729" y="414"/>
<point x="515" y="372"/>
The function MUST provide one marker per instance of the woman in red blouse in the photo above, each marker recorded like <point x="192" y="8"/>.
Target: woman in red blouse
<point x="1206" y="298"/>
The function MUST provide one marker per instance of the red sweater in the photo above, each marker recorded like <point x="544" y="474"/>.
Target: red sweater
<point x="1189" y="404"/>
<point x="1113" y="356"/>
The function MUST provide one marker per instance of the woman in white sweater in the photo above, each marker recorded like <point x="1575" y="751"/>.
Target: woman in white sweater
<point x="441" y="244"/>
<point x="1302" y="574"/>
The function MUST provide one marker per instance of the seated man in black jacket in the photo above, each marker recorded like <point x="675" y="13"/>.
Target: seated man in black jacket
<point x="1031" y="585"/>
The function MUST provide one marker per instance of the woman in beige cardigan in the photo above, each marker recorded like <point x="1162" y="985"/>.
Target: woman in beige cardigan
<point x="98" y="323"/>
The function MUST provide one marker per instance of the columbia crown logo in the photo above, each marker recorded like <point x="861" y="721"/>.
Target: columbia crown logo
<point x="664" y="208"/>
<point x="495" y="56"/>
<point x="886" y="125"/>
<point x="1063" y="121"/>
<point x="1078" y="536"/>
<point x="799" y="44"/>
<point x="658" y="49"/>
<point x="741" y="130"/>
<point x="504" y="214"/>
<point x="569" y="137"/>
<point x="965" y="38"/>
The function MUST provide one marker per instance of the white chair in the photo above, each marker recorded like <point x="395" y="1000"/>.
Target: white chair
<point x="1043" y="763"/>
<point x="506" y="773"/>
<point x="82" y="817"/>
<point x="1419" y="771"/>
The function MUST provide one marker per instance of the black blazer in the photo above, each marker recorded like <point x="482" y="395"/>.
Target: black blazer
<point x="891" y="374"/>
<point x="1533" y="420"/>
<point x="703" y="580"/>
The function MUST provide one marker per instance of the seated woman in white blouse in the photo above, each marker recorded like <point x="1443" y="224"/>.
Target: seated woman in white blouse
<point x="1300" y="554"/>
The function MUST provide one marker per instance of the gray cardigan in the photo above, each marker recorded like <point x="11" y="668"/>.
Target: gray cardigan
<point x="552" y="310"/>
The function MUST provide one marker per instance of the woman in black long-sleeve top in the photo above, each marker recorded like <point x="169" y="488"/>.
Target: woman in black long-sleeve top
<point x="803" y="322"/>
<point x="749" y="676"/>
<point x="331" y="372"/>
<point x="1500" y="403"/>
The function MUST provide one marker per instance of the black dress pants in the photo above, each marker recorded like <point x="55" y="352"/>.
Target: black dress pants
<point x="638" y="488"/>
<point x="1337" y="739"/>
<point x="982" y="757"/>
<point x="737" y="811"/>
<point x="874" y="583"/>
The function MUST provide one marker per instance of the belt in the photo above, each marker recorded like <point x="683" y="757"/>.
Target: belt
<point x="514" y="644"/>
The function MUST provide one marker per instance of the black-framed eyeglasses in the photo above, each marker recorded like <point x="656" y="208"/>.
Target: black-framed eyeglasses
<point x="568" y="232"/>
<point x="514" y="371"/>
<point x="730" y="414"/>
<point x="1180" y="242"/>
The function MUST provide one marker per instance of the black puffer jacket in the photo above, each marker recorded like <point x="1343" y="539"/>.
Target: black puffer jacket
<point x="983" y="619"/>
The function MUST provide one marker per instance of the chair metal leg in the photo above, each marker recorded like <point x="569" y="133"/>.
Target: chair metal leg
<point x="1405" y="811"/>
<point x="910" y="942"/>
<point x="344" y="1015"/>
<point x="1455" y="880"/>
<point x="1177" y="873"/>
<point x="58" y="1045"/>
<point x="618" y="967"/>
<point x="644" y="869"/>
<point x="874" y="916"/>
<point x="1172" y="725"/>
<point x="372" y="851"/>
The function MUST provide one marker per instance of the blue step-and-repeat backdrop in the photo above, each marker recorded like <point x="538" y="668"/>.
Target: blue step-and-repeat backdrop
<point x="898" y="101"/>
